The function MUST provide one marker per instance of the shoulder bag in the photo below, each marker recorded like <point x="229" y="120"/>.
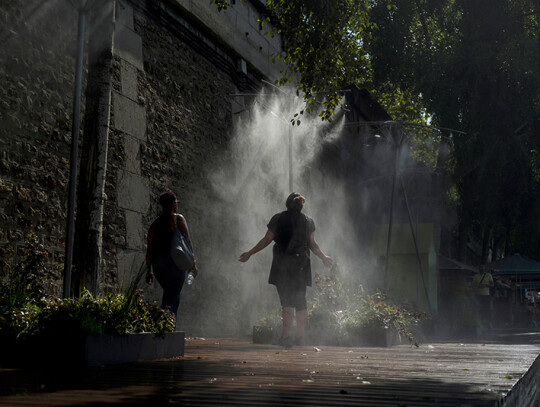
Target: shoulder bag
<point x="181" y="249"/>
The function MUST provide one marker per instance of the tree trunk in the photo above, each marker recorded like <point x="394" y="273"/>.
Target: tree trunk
<point x="93" y="164"/>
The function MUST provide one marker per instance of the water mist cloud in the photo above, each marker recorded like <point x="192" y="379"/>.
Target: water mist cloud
<point x="251" y="182"/>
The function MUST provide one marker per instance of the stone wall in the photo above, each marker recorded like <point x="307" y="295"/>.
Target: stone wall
<point x="181" y="122"/>
<point x="37" y="72"/>
<point x="174" y="98"/>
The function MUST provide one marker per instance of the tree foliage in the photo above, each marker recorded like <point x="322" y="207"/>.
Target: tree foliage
<point x="323" y="47"/>
<point x="476" y="67"/>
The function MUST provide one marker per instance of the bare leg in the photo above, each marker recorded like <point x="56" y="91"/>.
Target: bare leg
<point x="301" y="321"/>
<point x="287" y="313"/>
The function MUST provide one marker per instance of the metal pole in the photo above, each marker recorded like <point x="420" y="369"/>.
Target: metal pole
<point x="390" y="221"/>
<point x="291" y="187"/>
<point x="74" y="150"/>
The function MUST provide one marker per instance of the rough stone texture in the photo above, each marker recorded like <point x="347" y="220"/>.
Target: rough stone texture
<point x="171" y="120"/>
<point x="37" y="71"/>
<point x="188" y="106"/>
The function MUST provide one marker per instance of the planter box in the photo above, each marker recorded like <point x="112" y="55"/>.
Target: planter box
<point x="108" y="350"/>
<point x="373" y="337"/>
<point x="63" y="351"/>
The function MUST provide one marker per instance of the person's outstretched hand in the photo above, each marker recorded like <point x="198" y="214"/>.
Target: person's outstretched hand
<point x="328" y="262"/>
<point x="244" y="257"/>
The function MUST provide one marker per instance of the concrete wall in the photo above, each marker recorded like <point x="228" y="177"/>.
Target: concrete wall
<point x="239" y="29"/>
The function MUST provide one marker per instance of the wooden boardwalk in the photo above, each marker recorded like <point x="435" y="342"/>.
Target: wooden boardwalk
<point x="230" y="372"/>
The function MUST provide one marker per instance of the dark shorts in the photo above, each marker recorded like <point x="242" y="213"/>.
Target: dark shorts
<point x="292" y="296"/>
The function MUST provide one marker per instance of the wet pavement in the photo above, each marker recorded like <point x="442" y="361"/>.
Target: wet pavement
<point x="231" y="372"/>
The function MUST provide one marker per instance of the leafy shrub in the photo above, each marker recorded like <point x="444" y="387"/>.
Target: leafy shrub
<point x="329" y="293"/>
<point x="375" y="312"/>
<point x="27" y="313"/>
<point x="271" y="321"/>
<point x="268" y="329"/>
<point x="29" y="279"/>
<point x="85" y="315"/>
<point x="338" y="312"/>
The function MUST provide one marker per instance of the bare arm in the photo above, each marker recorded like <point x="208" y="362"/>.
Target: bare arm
<point x="182" y="224"/>
<point x="314" y="246"/>
<point x="265" y="241"/>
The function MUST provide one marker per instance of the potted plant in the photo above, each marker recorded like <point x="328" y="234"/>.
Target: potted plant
<point x="118" y="327"/>
<point x="347" y="316"/>
<point x="376" y="322"/>
<point x="268" y="329"/>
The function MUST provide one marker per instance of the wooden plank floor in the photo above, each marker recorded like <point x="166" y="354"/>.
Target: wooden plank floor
<point x="230" y="372"/>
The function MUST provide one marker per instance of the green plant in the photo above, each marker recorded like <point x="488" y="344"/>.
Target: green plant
<point x="340" y="310"/>
<point x="26" y="312"/>
<point x="376" y="312"/>
<point x="271" y="321"/>
<point x="329" y="293"/>
<point x="114" y="314"/>
<point x="28" y="280"/>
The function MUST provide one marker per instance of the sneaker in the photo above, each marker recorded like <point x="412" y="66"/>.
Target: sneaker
<point x="286" y="342"/>
<point x="299" y="341"/>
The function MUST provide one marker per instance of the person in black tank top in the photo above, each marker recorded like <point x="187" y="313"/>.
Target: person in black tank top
<point x="294" y="235"/>
<point x="159" y="262"/>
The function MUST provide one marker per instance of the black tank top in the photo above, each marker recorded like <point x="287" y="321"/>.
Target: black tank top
<point x="162" y="236"/>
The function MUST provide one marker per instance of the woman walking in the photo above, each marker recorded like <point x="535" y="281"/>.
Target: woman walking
<point x="294" y="235"/>
<point x="158" y="252"/>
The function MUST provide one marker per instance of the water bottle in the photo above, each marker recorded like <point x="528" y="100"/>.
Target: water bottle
<point x="190" y="278"/>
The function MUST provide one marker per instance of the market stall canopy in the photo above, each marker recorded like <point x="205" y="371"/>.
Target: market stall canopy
<point x="520" y="270"/>
<point x="515" y="264"/>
